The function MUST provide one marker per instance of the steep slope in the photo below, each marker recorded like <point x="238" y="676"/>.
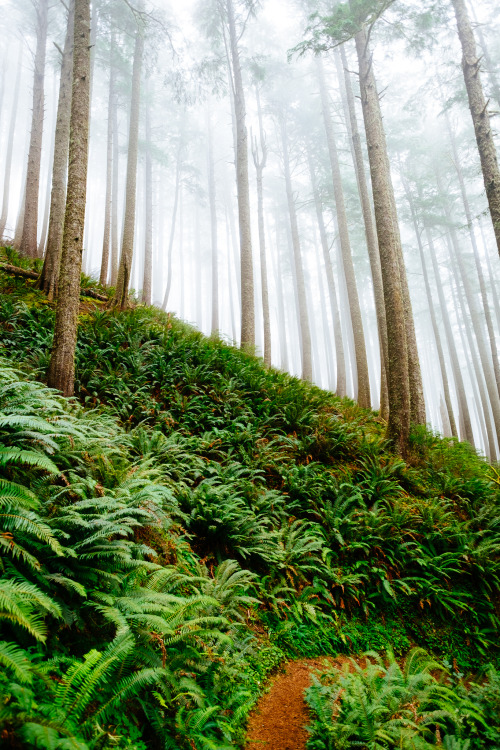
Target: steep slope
<point x="201" y="518"/>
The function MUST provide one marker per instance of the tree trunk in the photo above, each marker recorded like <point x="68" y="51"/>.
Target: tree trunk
<point x="242" y="181"/>
<point x="50" y="271"/>
<point x="299" y="272"/>
<point x="371" y="235"/>
<point x="480" y="114"/>
<point x="127" y="253"/>
<point x="10" y="144"/>
<point x="213" y="226"/>
<point x="456" y="257"/>
<point x="148" y="244"/>
<point x="61" y="374"/>
<point x="389" y="242"/>
<point x="363" y="378"/>
<point x="464" y="420"/>
<point x="173" y="225"/>
<point x="490" y="65"/>
<point x="278" y="276"/>
<point x="108" y="201"/>
<point x="260" y="162"/>
<point x="114" y="195"/>
<point x="340" y="389"/>
<point x="29" y="245"/>
<point x="432" y="313"/>
<point x="482" y="285"/>
<point x="48" y="187"/>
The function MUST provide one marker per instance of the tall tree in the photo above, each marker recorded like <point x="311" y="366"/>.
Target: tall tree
<point x="148" y="218"/>
<point x="108" y="201"/>
<point x="304" y="329"/>
<point x="127" y="252"/>
<point x="259" y="153"/>
<point x="212" y="195"/>
<point x="29" y="245"/>
<point x="61" y="374"/>
<point x="242" y="182"/>
<point x="369" y="224"/>
<point x="50" y="271"/>
<point x="478" y="105"/>
<point x="363" y="379"/>
<point x="10" y="144"/>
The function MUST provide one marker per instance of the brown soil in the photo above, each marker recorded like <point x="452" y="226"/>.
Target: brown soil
<point x="279" y="720"/>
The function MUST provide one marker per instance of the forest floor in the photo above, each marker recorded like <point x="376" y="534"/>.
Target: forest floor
<point x="278" y="721"/>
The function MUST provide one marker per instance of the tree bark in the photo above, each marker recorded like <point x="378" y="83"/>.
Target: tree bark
<point x="260" y="161"/>
<point x="10" y="144"/>
<point x="389" y="242"/>
<point x="121" y="294"/>
<point x="243" y="186"/>
<point x="61" y="374"/>
<point x="370" y="233"/>
<point x="480" y="114"/>
<point x="363" y="378"/>
<point x="108" y="201"/>
<point x="114" y="195"/>
<point x="29" y="245"/>
<point x="50" y="271"/>
<point x="305" y="332"/>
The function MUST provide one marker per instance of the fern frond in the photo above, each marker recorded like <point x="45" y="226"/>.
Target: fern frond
<point x="14" y="659"/>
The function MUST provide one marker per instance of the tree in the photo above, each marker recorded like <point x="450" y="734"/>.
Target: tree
<point x="61" y="372"/>
<point x="127" y="252"/>
<point x="50" y="271"/>
<point x="10" y="145"/>
<point x="478" y="105"/>
<point x="259" y="153"/>
<point x="29" y="244"/>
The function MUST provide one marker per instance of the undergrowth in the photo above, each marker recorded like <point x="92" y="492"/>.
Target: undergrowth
<point x="191" y="519"/>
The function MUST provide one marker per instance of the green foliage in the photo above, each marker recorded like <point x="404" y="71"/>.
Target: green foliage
<point x="384" y="705"/>
<point x="192" y="519"/>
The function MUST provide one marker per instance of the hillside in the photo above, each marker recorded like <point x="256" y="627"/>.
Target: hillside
<point x="192" y="520"/>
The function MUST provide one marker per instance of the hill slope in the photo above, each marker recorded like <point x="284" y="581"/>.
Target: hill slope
<point x="195" y="519"/>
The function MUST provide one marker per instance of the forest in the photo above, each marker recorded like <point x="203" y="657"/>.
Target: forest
<point x="249" y="374"/>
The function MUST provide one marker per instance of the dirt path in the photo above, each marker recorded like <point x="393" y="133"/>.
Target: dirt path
<point x="279" y="719"/>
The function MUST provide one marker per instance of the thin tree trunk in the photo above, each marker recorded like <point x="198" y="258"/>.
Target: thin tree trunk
<point x="480" y="375"/>
<point x="478" y="105"/>
<point x="464" y="420"/>
<point x="299" y="271"/>
<point x="371" y="235"/>
<point x="482" y="285"/>
<point x="242" y="180"/>
<point x="18" y="234"/>
<point x="490" y="65"/>
<point x="340" y="388"/>
<point x="10" y="144"/>
<point x="61" y="374"/>
<point x="50" y="271"/>
<point x="260" y="162"/>
<point x="278" y="276"/>
<point x="108" y="201"/>
<point x="173" y="225"/>
<point x="213" y="226"/>
<point x="48" y="187"/>
<point x="148" y="245"/>
<point x="114" y="195"/>
<point x="432" y="313"/>
<point x="29" y="246"/>
<point x="127" y="252"/>
<point x="456" y="257"/>
<point x="361" y="360"/>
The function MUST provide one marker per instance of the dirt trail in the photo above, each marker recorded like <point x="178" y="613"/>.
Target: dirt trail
<point x="278" y="722"/>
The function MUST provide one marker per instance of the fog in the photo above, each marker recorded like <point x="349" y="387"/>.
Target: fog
<point x="188" y="132"/>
